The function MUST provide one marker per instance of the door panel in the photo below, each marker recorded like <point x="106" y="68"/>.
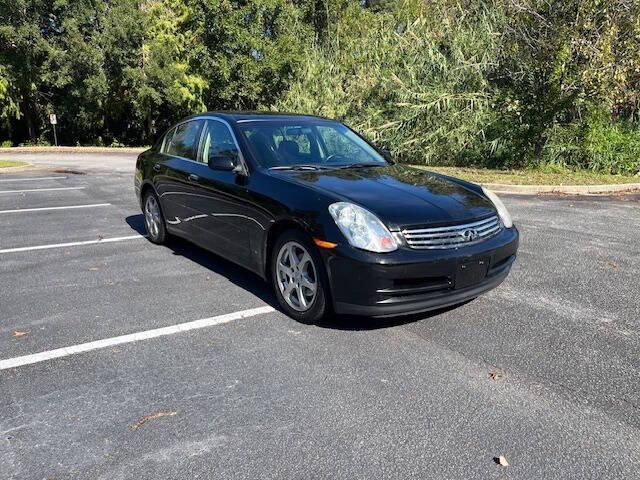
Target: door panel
<point x="223" y="227"/>
<point x="228" y="220"/>
<point x="173" y="184"/>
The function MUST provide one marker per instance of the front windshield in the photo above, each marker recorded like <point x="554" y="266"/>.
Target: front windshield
<point x="282" y="143"/>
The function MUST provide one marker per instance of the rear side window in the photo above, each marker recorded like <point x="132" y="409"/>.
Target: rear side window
<point x="183" y="140"/>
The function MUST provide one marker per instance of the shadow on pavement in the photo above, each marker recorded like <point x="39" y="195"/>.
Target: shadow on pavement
<point x="237" y="275"/>
<point x="354" y="323"/>
<point x="254" y="284"/>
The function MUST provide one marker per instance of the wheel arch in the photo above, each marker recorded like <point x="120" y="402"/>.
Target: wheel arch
<point x="144" y="188"/>
<point x="273" y="233"/>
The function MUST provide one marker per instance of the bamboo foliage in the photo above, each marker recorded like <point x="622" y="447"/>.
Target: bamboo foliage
<point x="420" y="91"/>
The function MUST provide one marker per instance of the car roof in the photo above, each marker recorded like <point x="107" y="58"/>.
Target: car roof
<point x="235" y="117"/>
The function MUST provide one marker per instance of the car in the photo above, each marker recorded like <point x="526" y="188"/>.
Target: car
<point x="332" y="222"/>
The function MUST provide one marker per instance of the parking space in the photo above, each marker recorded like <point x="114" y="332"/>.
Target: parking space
<point x="92" y="264"/>
<point x="543" y="370"/>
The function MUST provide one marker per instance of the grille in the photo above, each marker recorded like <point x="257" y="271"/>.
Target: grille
<point x="452" y="236"/>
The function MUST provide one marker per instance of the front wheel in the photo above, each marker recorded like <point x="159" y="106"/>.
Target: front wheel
<point x="297" y="274"/>
<point x="153" y="219"/>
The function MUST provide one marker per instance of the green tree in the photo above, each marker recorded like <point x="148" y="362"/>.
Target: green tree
<point x="23" y="51"/>
<point x="562" y="66"/>
<point x="162" y="85"/>
<point x="250" y="50"/>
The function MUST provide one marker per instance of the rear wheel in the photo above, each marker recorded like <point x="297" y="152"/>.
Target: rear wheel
<point x="153" y="218"/>
<point x="298" y="278"/>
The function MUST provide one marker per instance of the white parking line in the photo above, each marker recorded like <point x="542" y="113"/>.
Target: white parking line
<point x="133" y="337"/>
<point x="30" y="179"/>
<point x="71" y="244"/>
<point x="43" y="209"/>
<point x="42" y="190"/>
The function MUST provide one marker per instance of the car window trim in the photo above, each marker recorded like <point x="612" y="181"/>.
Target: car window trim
<point x="243" y="163"/>
<point x="163" y="148"/>
<point x="199" y="158"/>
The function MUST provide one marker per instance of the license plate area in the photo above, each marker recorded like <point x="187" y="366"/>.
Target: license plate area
<point x="471" y="272"/>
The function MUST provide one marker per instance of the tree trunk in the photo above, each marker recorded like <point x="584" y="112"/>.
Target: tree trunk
<point x="539" y="146"/>
<point x="28" y="116"/>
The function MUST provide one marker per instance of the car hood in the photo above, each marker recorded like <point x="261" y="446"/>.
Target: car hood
<point x="400" y="196"/>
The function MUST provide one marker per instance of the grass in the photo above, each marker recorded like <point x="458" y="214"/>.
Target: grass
<point x="11" y="163"/>
<point x="533" y="176"/>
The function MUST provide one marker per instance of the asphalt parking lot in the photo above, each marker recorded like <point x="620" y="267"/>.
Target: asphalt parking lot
<point x="544" y="370"/>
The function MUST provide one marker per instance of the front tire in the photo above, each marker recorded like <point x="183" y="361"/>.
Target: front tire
<point x="154" y="219"/>
<point x="298" y="277"/>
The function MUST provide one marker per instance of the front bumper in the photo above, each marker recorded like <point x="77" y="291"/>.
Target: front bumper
<point x="411" y="281"/>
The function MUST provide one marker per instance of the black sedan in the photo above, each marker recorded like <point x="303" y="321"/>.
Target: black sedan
<point x="332" y="222"/>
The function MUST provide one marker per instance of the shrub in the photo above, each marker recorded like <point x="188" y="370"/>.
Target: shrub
<point x="595" y="144"/>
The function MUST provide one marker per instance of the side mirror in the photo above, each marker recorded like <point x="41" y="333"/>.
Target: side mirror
<point x="222" y="162"/>
<point x="386" y="154"/>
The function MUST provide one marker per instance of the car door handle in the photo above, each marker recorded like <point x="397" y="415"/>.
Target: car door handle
<point x="156" y="167"/>
<point x="193" y="178"/>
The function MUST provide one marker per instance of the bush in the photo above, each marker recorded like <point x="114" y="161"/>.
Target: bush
<point x="613" y="148"/>
<point x="39" y="142"/>
<point x="596" y="144"/>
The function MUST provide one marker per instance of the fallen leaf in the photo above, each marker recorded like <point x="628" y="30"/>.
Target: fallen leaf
<point x="501" y="461"/>
<point x="18" y="333"/>
<point x="152" y="416"/>
<point x="612" y="264"/>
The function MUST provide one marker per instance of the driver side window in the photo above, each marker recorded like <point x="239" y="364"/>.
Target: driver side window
<point x="217" y="141"/>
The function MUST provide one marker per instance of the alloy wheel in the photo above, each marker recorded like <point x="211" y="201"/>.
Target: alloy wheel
<point x="296" y="276"/>
<point x="152" y="216"/>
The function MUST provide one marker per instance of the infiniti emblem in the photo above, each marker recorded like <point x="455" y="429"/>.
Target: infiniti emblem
<point x="470" y="235"/>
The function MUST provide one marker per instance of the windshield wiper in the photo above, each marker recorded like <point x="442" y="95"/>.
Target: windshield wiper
<point x="363" y="165"/>
<point x="300" y="167"/>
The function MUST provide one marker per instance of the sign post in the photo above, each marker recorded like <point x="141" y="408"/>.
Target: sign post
<point x="53" y="120"/>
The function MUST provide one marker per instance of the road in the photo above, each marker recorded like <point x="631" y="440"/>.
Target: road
<point x="544" y="370"/>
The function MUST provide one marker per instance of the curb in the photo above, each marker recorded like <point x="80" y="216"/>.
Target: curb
<point x="19" y="150"/>
<point x="496" y="187"/>
<point x="563" y="189"/>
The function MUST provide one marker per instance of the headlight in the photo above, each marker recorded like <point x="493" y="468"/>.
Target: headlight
<point x="362" y="228"/>
<point x="502" y="210"/>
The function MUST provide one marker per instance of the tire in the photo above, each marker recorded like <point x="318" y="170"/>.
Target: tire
<point x="153" y="218"/>
<point x="296" y="266"/>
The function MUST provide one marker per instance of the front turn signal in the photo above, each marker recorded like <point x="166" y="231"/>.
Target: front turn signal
<point x="324" y="244"/>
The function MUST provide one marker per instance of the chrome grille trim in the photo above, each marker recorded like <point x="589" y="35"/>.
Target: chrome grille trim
<point x="452" y="236"/>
